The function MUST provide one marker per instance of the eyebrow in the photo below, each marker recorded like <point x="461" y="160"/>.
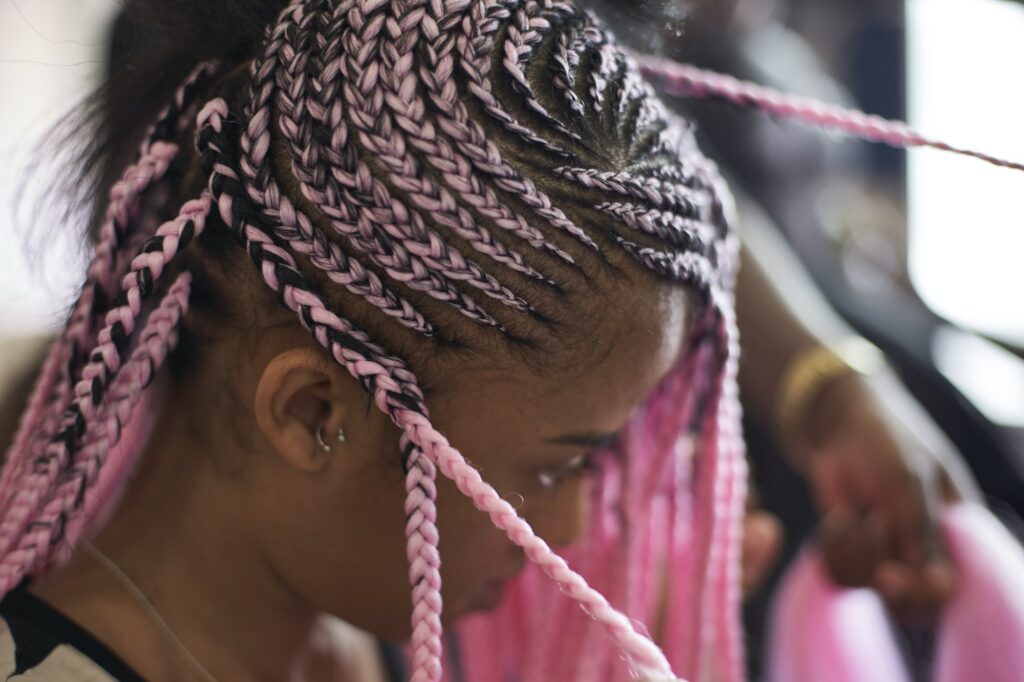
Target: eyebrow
<point x="590" y="440"/>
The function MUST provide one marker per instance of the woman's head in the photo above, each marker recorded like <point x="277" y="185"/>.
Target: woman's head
<point x="488" y="226"/>
<point x="333" y="523"/>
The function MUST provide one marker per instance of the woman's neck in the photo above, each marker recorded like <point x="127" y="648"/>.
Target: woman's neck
<point x="178" y="537"/>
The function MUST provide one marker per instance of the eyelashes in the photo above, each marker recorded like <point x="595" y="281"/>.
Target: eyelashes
<point x="588" y="463"/>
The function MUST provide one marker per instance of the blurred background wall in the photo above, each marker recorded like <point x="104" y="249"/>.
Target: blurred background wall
<point x="52" y="53"/>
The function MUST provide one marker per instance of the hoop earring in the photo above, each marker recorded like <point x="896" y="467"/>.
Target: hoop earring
<point x="326" y="447"/>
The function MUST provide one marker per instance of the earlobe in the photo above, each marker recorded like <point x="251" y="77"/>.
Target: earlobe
<point x="298" y="408"/>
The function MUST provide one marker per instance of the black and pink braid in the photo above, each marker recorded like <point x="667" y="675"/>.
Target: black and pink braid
<point x="471" y="155"/>
<point x="72" y="386"/>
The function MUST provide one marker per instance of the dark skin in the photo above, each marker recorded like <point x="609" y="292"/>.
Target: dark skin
<point x="878" y="467"/>
<point x="252" y="542"/>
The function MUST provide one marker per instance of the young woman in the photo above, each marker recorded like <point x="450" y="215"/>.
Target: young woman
<point x="371" y="224"/>
<point x="360" y="230"/>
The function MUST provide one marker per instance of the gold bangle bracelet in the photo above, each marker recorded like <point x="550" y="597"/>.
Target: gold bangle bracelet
<point x="810" y="371"/>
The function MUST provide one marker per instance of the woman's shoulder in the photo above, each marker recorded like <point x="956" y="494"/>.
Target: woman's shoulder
<point x="40" y="644"/>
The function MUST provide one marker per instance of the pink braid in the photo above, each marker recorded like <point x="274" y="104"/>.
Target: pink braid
<point x="677" y="197"/>
<point x="488" y="17"/>
<point x="424" y="565"/>
<point x="389" y="377"/>
<point x="104" y="364"/>
<point x="566" y="59"/>
<point x="722" y="629"/>
<point x="683" y="80"/>
<point x="647" y="657"/>
<point x="670" y="228"/>
<point x="155" y="155"/>
<point x="409" y="112"/>
<point x="36" y="548"/>
<point x="599" y="77"/>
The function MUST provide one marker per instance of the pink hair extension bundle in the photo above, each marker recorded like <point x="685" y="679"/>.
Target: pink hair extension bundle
<point x="819" y="630"/>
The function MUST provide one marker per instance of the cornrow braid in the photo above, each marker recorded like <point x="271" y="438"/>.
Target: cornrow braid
<point x="566" y="59"/>
<point x="291" y="225"/>
<point x="598" y="81"/>
<point x="680" y="199"/>
<point x="522" y="37"/>
<point x="670" y="228"/>
<point x="473" y="58"/>
<point x="489" y="17"/>
<point x="467" y="135"/>
<point x="409" y="111"/>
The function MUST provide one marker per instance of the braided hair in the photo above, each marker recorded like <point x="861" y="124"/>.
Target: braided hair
<point x="424" y="173"/>
<point x="460" y="167"/>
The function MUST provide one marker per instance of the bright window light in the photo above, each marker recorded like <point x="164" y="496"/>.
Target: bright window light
<point x="966" y="217"/>
<point x="991" y="377"/>
<point x="51" y="56"/>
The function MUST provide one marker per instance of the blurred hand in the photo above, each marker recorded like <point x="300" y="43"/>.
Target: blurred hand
<point x="880" y="469"/>
<point x="762" y="540"/>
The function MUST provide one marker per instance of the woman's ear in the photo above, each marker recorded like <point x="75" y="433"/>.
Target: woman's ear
<point x="301" y="404"/>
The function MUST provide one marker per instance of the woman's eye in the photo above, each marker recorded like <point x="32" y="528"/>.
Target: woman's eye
<point x="551" y="479"/>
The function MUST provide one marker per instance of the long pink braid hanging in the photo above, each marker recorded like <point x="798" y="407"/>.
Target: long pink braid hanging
<point x="684" y="80"/>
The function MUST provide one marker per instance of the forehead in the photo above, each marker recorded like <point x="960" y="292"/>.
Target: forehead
<point x="591" y="384"/>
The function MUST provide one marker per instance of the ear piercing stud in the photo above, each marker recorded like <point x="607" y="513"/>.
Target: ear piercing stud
<point x="325" y="446"/>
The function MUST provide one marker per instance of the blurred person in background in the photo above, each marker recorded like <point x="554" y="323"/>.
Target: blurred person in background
<point x="840" y="206"/>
